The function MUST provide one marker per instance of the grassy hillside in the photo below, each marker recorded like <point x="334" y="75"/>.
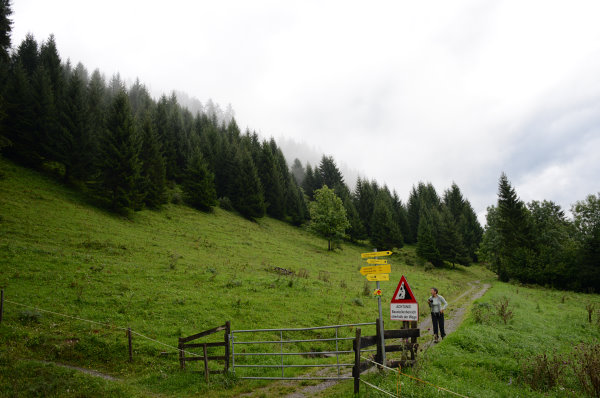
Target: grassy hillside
<point x="166" y="274"/>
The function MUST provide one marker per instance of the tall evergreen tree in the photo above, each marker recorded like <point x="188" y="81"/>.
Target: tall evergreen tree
<point x="426" y="240"/>
<point x="298" y="171"/>
<point x="329" y="172"/>
<point x="272" y="182"/>
<point x="384" y="231"/>
<point x="513" y="228"/>
<point x="118" y="167"/>
<point x="309" y="181"/>
<point x="5" y="30"/>
<point x="247" y="196"/>
<point x="152" y="165"/>
<point x="72" y="144"/>
<point x="449" y="241"/>
<point x="198" y="183"/>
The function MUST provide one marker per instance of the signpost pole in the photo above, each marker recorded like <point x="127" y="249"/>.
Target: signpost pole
<point x="381" y="324"/>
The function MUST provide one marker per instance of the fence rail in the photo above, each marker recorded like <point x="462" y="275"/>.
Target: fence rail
<point x="280" y="352"/>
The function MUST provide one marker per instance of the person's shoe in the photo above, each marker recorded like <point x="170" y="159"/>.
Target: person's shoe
<point x="435" y="338"/>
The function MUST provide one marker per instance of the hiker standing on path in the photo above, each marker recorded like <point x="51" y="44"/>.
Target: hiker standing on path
<point x="437" y="304"/>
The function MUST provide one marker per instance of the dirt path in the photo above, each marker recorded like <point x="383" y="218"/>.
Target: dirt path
<point x="82" y="370"/>
<point x="454" y="319"/>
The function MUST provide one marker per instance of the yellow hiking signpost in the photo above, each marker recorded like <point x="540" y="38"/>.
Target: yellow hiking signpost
<point x="379" y="271"/>
<point x="376" y="254"/>
<point x="376" y="261"/>
<point x="376" y="269"/>
<point x="378" y="277"/>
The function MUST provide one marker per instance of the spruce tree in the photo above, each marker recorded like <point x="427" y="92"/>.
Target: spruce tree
<point x="20" y="122"/>
<point x="513" y="228"/>
<point x="426" y="238"/>
<point x="298" y="171"/>
<point x="5" y="30"/>
<point x="247" y="195"/>
<point x="449" y="241"/>
<point x="272" y="182"/>
<point x="309" y="181"/>
<point x="384" y="231"/>
<point x="118" y="164"/>
<point x="198" y="183"/>
<point x="152" y="165"/>
<point x="72" y="144"/>
<point x="329" y="172"/>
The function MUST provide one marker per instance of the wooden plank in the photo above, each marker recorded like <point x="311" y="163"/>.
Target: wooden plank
<point x="202" y="334"/>
<point x="210" y="358"/>
<point x="401" y="333"/>
<point x="368" y="341"/>
<point x="200" y="345"/>
<point x="399" y="347"/>
<point x="181" y="355"/>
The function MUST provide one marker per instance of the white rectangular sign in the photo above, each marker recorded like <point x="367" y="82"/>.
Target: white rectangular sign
<point x="404" y="312"/>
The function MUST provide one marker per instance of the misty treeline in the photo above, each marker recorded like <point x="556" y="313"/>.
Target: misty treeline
<point x="445" y="228"/>
<point x="537" y="243"/>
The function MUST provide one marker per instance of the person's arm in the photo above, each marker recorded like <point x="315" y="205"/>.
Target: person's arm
<point x="445" y="303"/>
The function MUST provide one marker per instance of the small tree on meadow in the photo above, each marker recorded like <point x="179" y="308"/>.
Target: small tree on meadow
<point x="328" y="215"/>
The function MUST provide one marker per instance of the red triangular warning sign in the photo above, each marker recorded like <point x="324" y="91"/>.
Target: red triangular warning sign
<point x="403" y="294"/>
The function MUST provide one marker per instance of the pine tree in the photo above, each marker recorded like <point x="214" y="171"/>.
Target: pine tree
<point x="365" y="194"/>
<point x="298" y="171"/>
<point x="118" y="165"/>
<point x="5" y="30"/>
<point x="247" y="195"/>
<point x="384" y="231"/>
<point x="152" y="164"/>
<point x="328" y="216"/>
<point x="449" y="241"/>
<point x="72" y="144"/>
<point x="272" y="182"/>
<point x="309" y="181"/>
<point x="198" y="183"/>
<point x="513" y="229"/>
<point x="21" y="119"/>
<point x="426" y="238"/>
<point x="413" y="213"/>
<point x="329" y="172"/>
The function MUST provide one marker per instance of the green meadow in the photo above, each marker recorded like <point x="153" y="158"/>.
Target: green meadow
<point x="175" y="272"/>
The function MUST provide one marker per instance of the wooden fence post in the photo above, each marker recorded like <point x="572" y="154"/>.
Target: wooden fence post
<point x="1" y="304"/>
<point x="130" y="347"/>
<point x="356" y="369"/>
<point x="181" y="355"/>
<point x="227" y="332"/>
<point x="205" y="363"/>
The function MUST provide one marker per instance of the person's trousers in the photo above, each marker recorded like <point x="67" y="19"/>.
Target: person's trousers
<point x="437" y="318"/>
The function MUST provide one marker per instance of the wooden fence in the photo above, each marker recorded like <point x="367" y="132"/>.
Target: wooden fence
<point x="184" y="345"/>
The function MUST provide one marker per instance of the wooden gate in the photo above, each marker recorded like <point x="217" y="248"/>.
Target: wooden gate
<point x="184" y="345"/>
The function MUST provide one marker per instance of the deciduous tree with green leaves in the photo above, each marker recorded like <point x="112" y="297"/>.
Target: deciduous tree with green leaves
<point x="328" y="216"/>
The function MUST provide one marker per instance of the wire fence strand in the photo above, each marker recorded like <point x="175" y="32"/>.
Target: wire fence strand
<point x="415" y="378"/>
<point x="104" y="324"/>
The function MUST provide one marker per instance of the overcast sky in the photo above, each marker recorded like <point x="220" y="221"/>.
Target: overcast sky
<point x="400" y="91"/>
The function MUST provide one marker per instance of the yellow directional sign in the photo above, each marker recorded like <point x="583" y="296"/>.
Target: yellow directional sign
<point x="376" y="261"/>
<point x="378" y="277"/>
<point x="376" y="269"/>
<point x="376" y="254"/>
